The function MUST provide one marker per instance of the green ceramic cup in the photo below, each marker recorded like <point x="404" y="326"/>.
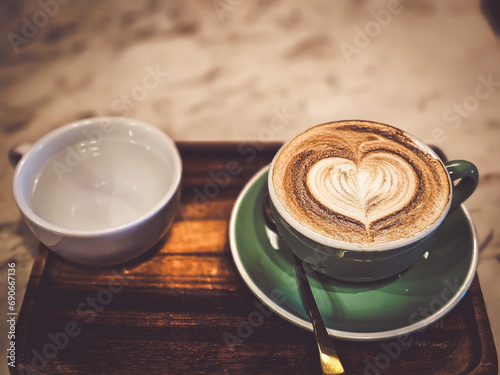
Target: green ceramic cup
<point x="346" y="261"/>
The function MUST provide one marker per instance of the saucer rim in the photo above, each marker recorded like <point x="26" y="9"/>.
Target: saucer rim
<point x="354" y="336"/>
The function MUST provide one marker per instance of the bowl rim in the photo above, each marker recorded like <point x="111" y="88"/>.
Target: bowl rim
<point x="31" y="216"/>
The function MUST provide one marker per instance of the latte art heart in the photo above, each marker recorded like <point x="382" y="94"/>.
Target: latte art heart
<point x="360" y="182"/>
<point x="381" y="185"/>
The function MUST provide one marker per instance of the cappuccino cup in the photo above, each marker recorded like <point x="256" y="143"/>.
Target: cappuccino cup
<point x="362" y="201"/>
<point x="99" y="191"/>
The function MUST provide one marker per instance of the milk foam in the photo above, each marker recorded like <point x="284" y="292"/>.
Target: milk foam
<point x="360" y="182"/>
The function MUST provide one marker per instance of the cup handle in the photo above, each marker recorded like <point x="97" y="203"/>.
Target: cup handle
<point x="467" y="172"/>
<point x="17" y="152"/>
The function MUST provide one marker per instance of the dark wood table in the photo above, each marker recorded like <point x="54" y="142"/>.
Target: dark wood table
<point x="167" y="312"/>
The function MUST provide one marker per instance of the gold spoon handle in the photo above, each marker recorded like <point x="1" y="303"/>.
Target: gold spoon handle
<point x="330" y="363"/>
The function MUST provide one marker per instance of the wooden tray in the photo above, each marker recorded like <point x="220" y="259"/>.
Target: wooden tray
<point x="167" y="312"/>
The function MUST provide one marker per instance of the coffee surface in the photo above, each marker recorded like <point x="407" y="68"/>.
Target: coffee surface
<point x="360" y="182"/>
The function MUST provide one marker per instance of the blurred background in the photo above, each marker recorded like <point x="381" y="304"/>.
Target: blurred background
<point x="224" y="70"/>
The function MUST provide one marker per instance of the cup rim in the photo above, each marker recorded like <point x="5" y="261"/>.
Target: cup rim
<point x="351" y="246"/>
<point x="28" y="212"/>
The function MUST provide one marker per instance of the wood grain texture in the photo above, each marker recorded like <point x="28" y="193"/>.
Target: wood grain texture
<point x="169" y="311"/>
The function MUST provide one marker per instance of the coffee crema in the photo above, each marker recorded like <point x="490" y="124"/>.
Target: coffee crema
<point x="360" y="182"/>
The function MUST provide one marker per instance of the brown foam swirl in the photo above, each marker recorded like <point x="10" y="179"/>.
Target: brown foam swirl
<point x="360" y="182"/>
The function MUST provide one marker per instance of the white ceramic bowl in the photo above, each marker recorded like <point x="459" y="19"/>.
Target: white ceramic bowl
<point x="101" y="245"/>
